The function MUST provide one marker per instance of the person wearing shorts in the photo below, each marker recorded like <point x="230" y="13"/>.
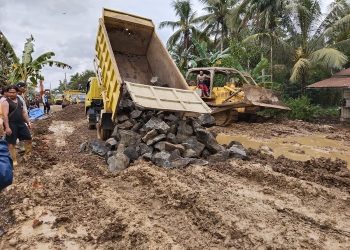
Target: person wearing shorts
<point x="16" y="123"/>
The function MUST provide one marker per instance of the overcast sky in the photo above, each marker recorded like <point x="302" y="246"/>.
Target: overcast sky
<point x="68" y="27"/>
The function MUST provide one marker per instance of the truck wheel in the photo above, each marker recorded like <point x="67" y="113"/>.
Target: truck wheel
<point x="91" y="126"/>
<point x="106" y="134"/>
<point x="91" y="117"/>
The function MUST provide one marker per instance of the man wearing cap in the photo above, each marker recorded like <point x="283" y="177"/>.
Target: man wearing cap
<point x="16" y="122"/>
<point x="22" y="88"/>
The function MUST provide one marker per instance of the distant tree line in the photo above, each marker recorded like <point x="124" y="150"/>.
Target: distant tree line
<point x="286" y="43"/>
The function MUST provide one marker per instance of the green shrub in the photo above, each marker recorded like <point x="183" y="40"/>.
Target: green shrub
<point x="302" y="109"/>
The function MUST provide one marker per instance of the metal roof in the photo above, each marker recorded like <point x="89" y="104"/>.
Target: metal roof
<point x="338" y="80"/>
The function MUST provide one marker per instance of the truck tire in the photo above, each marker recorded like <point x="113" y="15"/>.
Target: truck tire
<point x="91" y="117"/>
<point x="91" y="126"/>
<point x="105" y="134"/>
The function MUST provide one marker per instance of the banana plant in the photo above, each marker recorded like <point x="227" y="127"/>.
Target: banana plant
<point x="7" y="57"/>
<point x="28" y="69"/>
<point x="204" y="57"/>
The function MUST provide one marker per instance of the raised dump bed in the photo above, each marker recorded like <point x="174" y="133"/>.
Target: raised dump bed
<point x="130" y="54"/>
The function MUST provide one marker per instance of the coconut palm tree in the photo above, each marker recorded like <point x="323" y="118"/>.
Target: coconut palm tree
<point x="29" y="68"/>
<point x="186" y="25"/>
<point x="312" y="47"/>
<point x="216" y="20"/>
<point x="265" y="16"/>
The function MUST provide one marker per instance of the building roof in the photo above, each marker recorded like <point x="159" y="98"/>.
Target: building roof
<point x="345" y="72"/>
<point x="338" y="80"/>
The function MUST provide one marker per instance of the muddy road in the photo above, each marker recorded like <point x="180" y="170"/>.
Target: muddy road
<point x="62" y="199"/>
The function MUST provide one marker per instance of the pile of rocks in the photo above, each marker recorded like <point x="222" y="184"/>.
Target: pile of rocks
<point x="164" y="138"/>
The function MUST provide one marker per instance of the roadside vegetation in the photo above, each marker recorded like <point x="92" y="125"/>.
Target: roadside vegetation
<point x="285" y="45"/>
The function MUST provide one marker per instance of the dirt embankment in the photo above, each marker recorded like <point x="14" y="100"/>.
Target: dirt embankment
<point x="62" y="199"/>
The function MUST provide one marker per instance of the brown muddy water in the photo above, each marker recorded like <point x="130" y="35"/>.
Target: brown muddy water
<point x="299" y="148"/>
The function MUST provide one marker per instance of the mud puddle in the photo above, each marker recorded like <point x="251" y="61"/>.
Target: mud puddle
<point x="298" y="148"/>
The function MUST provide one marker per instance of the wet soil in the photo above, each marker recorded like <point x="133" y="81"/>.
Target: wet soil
<point x="62" y="199"/>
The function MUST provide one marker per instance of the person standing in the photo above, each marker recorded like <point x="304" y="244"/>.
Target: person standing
<point x="16" y="123"/>
<point x="201" y="78"/>
<point x="22" y="88"/>
<point x="46" y="102"/>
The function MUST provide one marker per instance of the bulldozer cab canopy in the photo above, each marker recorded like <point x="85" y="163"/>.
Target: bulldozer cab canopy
<point x="226" y="75"/>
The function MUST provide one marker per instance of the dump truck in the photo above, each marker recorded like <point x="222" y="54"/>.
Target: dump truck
<point x="130" y="56"/>
<point x="93" y="102"/>
<point x="231" y="93"/>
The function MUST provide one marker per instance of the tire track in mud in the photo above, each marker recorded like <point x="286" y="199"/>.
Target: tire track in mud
<point x="238" y="204"/>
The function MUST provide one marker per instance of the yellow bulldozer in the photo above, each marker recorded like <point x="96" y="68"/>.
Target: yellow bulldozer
<point x="231" y="92"/>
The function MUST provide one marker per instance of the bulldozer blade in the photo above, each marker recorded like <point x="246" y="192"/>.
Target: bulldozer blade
<point x="265" y="105"/>
<point x="262" y="97"/>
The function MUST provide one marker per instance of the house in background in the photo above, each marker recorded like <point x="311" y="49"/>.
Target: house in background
<point x="340" y="80"/>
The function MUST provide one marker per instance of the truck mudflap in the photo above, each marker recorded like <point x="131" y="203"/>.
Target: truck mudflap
<point x="161" y="98"/>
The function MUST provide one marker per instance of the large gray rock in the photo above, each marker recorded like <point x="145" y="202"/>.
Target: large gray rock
<point x="206" y="120"/>
<point x="147" y="156"/>
<point x="206" y="153"/>
<point x="171" y="138"/>
<point x="150" y="135"/>
<point x="126" y="125"/>
<point x="111" y="143"/>
<point x="171" y="118"/>
<point x="132" y="152"/>
<point x="219" y="157"/>
<point x="237" y="151"/>
<point x="184" y="129"/>
<point x="137" y="126"/>
<point x="118" y="162"/>
<point x="128" y="137"/>
<point x="115" y="133"/>
<point x="122" y="118"/>
<point x="156" y="139"/>
<point x="167" y="146"/>
<point x="196" y="125"/>
<point x="146" y="116"/>
<point x="173" y="129"/>
<point x="158" y="124"/>
<point x="144" y="149"/>
<point x="194" y="144"/>
<point x="161" y="159"/>
<point x="181" y="138"/>
<point x="190" y="153"/>
<point x="167" y="160"/>
<point x="209" y="141"/>
<point x="98" y="147"/>
<point x="136" y="114"/>
<point x="126" y="105"/>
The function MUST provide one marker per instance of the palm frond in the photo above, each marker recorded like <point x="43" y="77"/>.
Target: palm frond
<point x="329" y="57"/>
<point x="299" y="69"/>
<point x="170" y="24"/>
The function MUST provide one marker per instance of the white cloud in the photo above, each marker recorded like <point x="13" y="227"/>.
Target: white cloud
<point x="68" y="27"/>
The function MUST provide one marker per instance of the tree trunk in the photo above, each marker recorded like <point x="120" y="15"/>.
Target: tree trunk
<point x="263" y="70"/>
<point x="222" y="39"/>
<point x="271" y="61"/>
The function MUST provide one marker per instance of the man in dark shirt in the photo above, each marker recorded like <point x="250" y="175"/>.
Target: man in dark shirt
<point x="46" y="102"/>
<point x="16" y="122"/>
